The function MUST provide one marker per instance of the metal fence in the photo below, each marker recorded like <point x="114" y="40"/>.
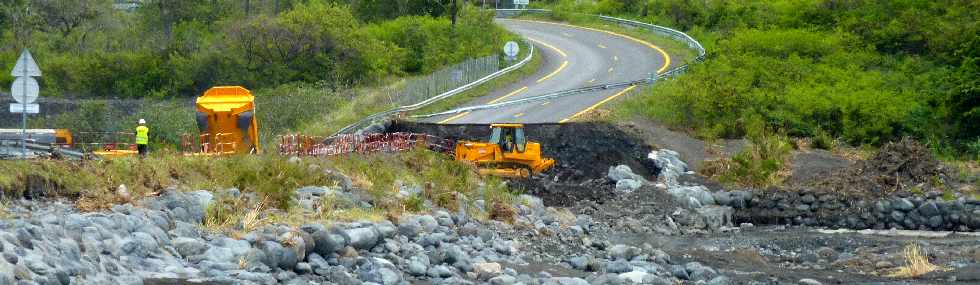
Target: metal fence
<point x="420" y="88"/>
<point x="424" y="96"/>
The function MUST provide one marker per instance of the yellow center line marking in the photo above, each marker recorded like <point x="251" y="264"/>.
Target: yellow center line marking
<point x="518" y="115"/>
<point x="553" y="73"/>
<point x="591" y="80"/>
<point x="616" y="58"/>
<point x="561" y="52"/>
<point x="460" y="115"/>
<point x="601" y="46"/>
<point x="646" y="43"/>
<point x="610" y="69"/>
<point x="590" y="108"/>
<point x="546" y="103"/>
<point x="522" y="89"/>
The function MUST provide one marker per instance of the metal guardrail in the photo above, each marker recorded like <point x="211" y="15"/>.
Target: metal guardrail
<point x="548" y="96"/>
<point x="374" y="118"/>
<point x="664" y="31"/>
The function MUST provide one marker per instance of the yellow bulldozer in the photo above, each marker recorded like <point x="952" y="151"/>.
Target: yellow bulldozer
<point x="507" y="153"/>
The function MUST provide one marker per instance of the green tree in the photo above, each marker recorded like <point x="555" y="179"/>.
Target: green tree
<point x="67" y="15"/>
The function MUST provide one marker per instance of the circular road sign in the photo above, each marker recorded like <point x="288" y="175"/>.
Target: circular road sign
<point x="24" y="90"/>
<point x="511" y="49"/>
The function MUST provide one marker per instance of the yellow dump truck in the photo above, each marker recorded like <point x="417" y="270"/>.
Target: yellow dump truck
<point x="507" y="153"/>
<point x="226" y="121"/>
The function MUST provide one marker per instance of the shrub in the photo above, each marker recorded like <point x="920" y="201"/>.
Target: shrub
<point x="760" y="163"/>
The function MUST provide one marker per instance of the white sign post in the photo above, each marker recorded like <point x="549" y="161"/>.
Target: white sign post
<point x="25" y="90"/>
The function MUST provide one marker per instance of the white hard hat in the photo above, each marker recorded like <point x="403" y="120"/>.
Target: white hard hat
<point x="142" y="121"/>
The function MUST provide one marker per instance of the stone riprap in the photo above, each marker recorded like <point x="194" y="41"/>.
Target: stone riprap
<point x="903" y="211"/>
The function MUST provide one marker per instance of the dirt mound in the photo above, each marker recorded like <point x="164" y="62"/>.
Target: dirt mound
<point x="899" y="165"/>
<point x="568" y="194"/>
<point x="583" y="152"/>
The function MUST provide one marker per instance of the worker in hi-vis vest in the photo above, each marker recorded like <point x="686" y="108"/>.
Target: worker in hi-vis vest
<point x="142" y="137"/>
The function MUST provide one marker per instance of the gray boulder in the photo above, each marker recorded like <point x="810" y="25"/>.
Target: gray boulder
<point x="671" y="166"/>
<point x="304" y="268"/>
<point x="716" y="217"/>
<point x="416" y="268"/>
<point x="699" y="272"/>
<point x="362" y="238"/>
<point x="621" y="251"/>
<point x="808" y="281"/>
<point x="379" y="271"/>
<point x="188" y="247"/>
<point x="628" y="185"/>
<point x="326" y="243"/>
<point x="503" y="280"/>
<point x="720" y="280"/>
<point x="634" y="276"/>
<point x="440" y="271"/>
<point x="689" y="193"/>
<point x="928" y="209"/>
<point x="566" y="281"/>
<point x="903" y="204"/>
<point x="619" y="266"/>
<point x="622" y="172"/>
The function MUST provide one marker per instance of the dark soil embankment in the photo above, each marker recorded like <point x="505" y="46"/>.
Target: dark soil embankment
<point x="583" y="152"/>
<point x="898" y="166"/>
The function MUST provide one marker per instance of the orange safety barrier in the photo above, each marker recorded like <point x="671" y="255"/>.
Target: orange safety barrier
<point x="301" y="145"/>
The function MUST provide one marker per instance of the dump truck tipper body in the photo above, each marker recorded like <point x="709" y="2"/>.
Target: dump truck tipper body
<point x="226" y="121"/>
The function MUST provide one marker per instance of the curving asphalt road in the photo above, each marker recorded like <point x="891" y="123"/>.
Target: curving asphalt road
<point x="572" y="57"/>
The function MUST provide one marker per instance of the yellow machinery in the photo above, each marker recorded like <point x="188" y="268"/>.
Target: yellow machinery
<point x="120" y="144"/>
<point x="508" y="153"/>
<point x="226" y="120"/>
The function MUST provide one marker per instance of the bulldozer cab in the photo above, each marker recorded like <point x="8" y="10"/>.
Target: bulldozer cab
<point x="510" y="137"/>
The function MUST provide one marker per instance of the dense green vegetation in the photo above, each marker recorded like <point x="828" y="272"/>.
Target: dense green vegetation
<point x="181" y="47"/>
<point x="315" y="65"/>
<point x="863" y="72"/>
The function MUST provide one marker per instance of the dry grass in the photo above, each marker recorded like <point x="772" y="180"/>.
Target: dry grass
<point x="94" y="183"/>
<point x="252" y="219"/>
<point x="916" y="264"/>
<point x="235" y="216"/>
<point x="853" y="153"/>
<point x="503" y="212"/>
<point x="4" y="214"/>
<point x="242" y="263"/>
<point x="290" y="240"/>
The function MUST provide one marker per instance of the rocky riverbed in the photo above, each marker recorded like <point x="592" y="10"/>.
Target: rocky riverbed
<point x="628" y="230"/>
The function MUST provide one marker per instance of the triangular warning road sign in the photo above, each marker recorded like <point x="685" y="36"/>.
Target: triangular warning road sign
<point x="26" y="66"/>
